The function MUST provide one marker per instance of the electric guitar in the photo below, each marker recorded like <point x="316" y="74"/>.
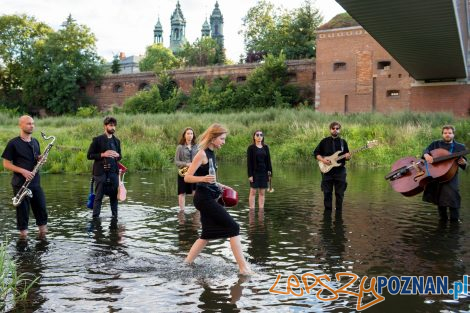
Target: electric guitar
<point x="334" y="158"/>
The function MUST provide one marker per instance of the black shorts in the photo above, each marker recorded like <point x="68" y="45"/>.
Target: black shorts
<point x="37" y="204"/>
<point x="184" y="187"/>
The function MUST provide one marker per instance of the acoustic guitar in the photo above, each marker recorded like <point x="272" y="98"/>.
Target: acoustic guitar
<point x="334" y="158"/>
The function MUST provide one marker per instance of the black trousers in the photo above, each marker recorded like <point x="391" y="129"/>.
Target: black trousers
<point x="106" y="185"/>
<point x="37" y="204"/>
<point x="454" y="213"/>
<point x="335" y="180"/>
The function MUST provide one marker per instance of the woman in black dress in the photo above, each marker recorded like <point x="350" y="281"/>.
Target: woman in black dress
<point x="259" y="169"/>
<point x="185" y="152"/>
<point x="216" y="221"/>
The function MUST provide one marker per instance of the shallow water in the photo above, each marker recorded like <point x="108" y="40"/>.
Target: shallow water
<point x="134" y="263"/>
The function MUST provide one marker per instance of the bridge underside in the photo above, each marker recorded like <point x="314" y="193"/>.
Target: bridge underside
<point x="428" y="38"/>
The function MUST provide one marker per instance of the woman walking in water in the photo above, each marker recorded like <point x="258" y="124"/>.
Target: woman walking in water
<point x="216" y="221"/>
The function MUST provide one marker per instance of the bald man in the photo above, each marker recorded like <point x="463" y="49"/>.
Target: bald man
<point x="20" y="156"/>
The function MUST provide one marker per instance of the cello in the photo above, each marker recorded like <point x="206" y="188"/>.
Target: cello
<point x="409" y="176"/>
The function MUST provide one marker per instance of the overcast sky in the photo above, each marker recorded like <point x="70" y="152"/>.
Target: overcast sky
<point x="127" y="26"/>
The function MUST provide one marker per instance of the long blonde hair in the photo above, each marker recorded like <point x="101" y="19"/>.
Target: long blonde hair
<point x="214" y="131"/>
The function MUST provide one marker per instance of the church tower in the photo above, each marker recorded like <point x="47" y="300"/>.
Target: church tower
<point x="206" y="29"/>
<point x="178" y="29"/>
<point x="158" y="32"/>
<point x="217" y="25"/>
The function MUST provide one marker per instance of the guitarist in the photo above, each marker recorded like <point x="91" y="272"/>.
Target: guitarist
<point x="336" y="177"/>
<point x="446" y="194"/>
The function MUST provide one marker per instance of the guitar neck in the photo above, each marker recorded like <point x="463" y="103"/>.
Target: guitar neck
<point x="352" y="152"/>
<point x="451" y="156"/>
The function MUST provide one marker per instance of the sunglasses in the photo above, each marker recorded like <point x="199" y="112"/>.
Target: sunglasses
<point x="259" y="134"/>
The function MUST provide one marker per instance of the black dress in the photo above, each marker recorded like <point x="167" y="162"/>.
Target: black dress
<point x="259" y="164"/>
<point x="216" y="221"/>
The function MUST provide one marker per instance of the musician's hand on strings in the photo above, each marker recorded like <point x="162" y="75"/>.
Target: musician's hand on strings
<point x="27" y="174"/>
<point x="250" y="179"/>
<point x="347" y="156"/>
<point x="461" y="161"/>
<point x="326" y="161"/>
<point x="428" y="158"/>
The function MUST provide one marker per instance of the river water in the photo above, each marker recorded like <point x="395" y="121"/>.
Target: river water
<point x="134" y="263"/>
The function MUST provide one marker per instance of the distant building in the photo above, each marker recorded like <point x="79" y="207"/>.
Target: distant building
<point x="214" y="30"/>
<point x="128" y="65"/>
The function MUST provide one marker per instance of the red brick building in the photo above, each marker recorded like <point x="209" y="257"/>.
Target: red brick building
<point x="355" y="74"/>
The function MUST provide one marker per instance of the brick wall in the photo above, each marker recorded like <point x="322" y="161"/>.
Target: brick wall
<point x="364" y="83"/>
<point x="114" y="89"/>
<point x="350" y="78"/>
<point x="450" y="98"/>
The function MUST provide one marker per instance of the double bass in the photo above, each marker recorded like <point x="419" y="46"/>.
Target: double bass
<point x="409" y="175"/>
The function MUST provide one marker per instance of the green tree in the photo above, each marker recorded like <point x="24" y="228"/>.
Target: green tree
<point x="60" y="68"/>
<point x="157" y="59"/>
<point x="115" y="65"/>
<point x="338" y="21"/>
<point x="203" y="52"/>
<point x="270" y="29"/>
<point x="18" y="34"/>
<point x="267" y="85"/>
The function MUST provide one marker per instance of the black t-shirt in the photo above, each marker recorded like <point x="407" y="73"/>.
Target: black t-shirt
<point x="22" y="154"/>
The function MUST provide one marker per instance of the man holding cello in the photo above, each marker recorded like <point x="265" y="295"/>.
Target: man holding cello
<point x="445" y="194"/>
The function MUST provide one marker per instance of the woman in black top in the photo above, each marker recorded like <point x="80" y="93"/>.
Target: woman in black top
<point x="216" y="221"/>
<point x="185" y="152"/>
<point x="259" y="169"/>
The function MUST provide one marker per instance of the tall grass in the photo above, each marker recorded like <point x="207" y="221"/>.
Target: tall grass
<point x="149" y="140"/>
<point x="13" y="288"/>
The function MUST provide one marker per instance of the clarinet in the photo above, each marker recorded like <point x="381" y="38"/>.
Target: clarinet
<point x="24" y="191"/>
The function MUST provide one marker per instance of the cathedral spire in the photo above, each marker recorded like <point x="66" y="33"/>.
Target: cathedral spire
<point x="158" y="32"/>
<point x="217" y="25"/>
<point x="178" y="29"/>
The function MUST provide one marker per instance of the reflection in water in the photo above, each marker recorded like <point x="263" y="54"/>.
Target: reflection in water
<point x="333" y="240"/>
<point x="258" y="237"/>
<point x="134" y="263"/>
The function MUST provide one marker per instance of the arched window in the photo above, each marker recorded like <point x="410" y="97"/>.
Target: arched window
<point x="118" y="88"/>
<point x="144" y="86"/>
<point x="97" y="89"/>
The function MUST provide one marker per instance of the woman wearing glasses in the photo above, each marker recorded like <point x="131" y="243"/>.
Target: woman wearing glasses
<point x="259" y="169"/>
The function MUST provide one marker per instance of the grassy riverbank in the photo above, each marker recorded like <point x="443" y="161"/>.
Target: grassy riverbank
<point x="149" y="140"/>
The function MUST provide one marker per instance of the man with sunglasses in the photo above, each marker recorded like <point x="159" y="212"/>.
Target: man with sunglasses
<point x="336" y="177"/>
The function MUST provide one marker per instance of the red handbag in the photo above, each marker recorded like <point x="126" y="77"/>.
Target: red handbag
<point x="229" y="197"/>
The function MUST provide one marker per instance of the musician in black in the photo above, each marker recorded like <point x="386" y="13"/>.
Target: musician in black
<point x="445" y="195"/>
<point x="105" y="150"/>
<point x="21" y="156"/>
<point x="336" y="177"/>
